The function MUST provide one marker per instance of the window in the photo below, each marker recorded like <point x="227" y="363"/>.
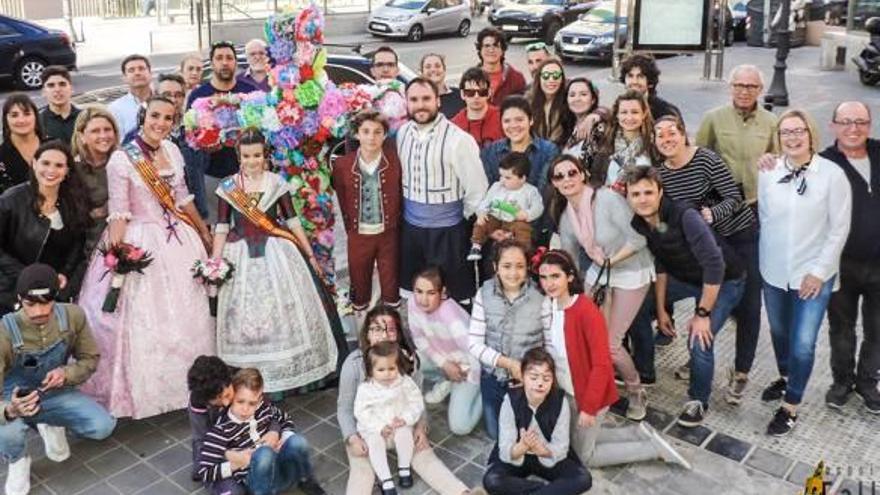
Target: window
<point x="341" y="74"/>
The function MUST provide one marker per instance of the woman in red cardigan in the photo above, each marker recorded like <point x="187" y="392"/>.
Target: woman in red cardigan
<point x="575" y="334"/>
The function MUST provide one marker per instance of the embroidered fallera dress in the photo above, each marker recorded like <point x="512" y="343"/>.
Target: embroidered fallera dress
<point x="270" y="314"/>
<point x="161" y="323"/>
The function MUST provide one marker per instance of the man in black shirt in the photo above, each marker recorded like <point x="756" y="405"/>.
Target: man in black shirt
<point x="58" y="118"/>
<point x="691" y="262"/>
<point x="640" y="73"/>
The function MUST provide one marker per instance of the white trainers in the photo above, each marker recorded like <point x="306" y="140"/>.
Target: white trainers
<point x="55" y="441"/>
<point x="440" y="391"/>
<point x="664" y="449"/>
<point x="18" y="480"/>
<point x="638" y="405"/>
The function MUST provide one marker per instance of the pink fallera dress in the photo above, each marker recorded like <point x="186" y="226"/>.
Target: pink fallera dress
<point x="162" y="322"/>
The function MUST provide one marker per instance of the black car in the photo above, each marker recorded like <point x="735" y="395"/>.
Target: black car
<point x="26" y="49"/>
<point x="536" y="18"/>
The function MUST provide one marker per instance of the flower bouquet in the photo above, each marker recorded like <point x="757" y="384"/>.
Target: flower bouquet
<point x="213" y="273"/>
<point x="121" y="259"/>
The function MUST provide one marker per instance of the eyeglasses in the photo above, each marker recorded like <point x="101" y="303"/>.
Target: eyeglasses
<point x="796" y="132"/>
<point x="850" y="122"/>
<point x="257" y="54"/>
<point x="555" y="75"/>
<point x="384" y="65"/>
<point x="746" y="87"/>
<point x="380" y="328"/>
<point x="571" y="174"/>
<point x="470" y="93"/>
<point x="534" y="47"/>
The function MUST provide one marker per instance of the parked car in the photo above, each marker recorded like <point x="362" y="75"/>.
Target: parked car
<point x="413" y="19"/>
<point x="26" y="49"/>
<point x="592" y="36"/>
<point x="537" y="18"/>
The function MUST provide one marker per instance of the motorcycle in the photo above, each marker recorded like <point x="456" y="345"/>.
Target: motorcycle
<point x="868" y="61"/>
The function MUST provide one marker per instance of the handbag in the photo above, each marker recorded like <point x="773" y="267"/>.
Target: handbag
<point x="601" y="292"/>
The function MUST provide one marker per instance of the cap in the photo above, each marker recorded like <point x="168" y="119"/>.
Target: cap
<point x="37" y="281"/>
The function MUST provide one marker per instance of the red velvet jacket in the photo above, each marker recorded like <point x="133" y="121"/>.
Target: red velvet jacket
<point x="512" y="83"/>
<point x="347" y="182"/>
<point x="589" y="356"/>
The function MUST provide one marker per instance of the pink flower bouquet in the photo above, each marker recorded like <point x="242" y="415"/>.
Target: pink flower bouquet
<point x="213" y="273"/>
<point x="121" y="259"/>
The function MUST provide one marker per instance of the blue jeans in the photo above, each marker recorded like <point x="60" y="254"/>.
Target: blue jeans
<point x="465" y="404"/>
<point x="794" y="327"/>
<point x="702" y="361"/>
<point x="272" y="472"/>
<point x="69" y="408"/>
<point x="492" y="391"/>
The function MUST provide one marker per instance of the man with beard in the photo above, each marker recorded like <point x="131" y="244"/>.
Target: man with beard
<point x="443" y="182"/>
<point x="137" y="74"/>
<point x="205" y="174"/>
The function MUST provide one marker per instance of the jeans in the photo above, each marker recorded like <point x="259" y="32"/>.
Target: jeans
<point x="566" y="477"/>
<point x="271" y="472"/>
<point x="69" y="408"/>
<point x="492" y="391"/>
<point x="748" y="312"/>
<point x="465" y="403"/>
<point x="702" y="361"/>
<point x="794" y="326"/>
<point x="858" y="279"/>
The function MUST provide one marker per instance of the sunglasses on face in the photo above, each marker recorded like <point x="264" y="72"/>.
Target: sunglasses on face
<point x="470" y="93"/>
<point x="571" y="174"/>
<point x="555" y="75"/>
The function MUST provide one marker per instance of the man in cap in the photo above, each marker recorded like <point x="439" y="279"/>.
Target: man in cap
<point x="39" y="377"/>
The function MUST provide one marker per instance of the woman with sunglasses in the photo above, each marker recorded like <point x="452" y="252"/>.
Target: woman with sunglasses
<point x="433" y="67"/>
<point x="627" y="141"/>
<point x="595" y="221"/>
<point x="553" y="119"/>
<point x="805" y="206"/>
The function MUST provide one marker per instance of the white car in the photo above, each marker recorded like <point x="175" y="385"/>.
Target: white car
<point x="413" y="19"/>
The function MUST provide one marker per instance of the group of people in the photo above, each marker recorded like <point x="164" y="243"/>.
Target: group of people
<point x="535" y="234"/>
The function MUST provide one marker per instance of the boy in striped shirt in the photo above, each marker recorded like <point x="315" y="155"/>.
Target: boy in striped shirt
<point x="252" y="448"/>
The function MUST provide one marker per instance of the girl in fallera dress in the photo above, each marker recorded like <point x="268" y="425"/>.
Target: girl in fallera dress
<point x="271" y="315"/>
<point x="161" y="322"/>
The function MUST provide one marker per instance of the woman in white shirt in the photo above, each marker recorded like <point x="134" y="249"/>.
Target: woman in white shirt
<point x="804" y="205"/>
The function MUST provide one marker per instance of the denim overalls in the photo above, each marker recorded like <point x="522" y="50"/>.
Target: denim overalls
<point x="64" y="406"/>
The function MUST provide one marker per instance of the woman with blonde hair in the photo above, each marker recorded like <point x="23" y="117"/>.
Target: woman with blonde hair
<point x="628" y="139"/>
<point x="95" y="135"/>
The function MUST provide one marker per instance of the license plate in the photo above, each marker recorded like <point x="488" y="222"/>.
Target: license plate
<point x="378" y="27"/>
<point x="574" y="48"/>
<point x="509" y="27"/>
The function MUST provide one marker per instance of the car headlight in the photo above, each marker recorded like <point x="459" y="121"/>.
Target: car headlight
<point x="605" y="39"/>
<point x="558" y="38"/>
<point x="401" y="18"/>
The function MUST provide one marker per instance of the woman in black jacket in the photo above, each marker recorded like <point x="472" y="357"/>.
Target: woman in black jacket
<point x="43" y="220"/>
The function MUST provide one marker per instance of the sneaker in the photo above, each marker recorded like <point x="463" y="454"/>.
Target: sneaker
<point x="871" y="398"/>
<point x="782" y="423"/>
<point x="775" y="390"/>
<point x="388" y="487"/>
<point x="404" y="478"/>
<point x="837" y="396"/>
<point x="664" y="449"/>
<point x="310" y="486"/>
<point x="439" y="393"/>
<point x="735" y="388"/>
<point x="55" y="441"/>
<point x="18" y="479"/>
<point x="692" y="414"/>
<point x="638" y="404"/>
<point x="683" y="372"/>
<point x="475" y="254"/>
<point x="662" y="340"/>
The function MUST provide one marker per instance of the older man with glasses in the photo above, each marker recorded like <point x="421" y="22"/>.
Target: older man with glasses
<point x="257" y="73"/>
<point x="504" y="80"/>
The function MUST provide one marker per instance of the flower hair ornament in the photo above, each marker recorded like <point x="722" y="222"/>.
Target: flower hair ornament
<point x="537" y="257"/>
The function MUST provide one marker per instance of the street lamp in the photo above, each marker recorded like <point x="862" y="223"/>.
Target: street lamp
<point x="777" y="95"/>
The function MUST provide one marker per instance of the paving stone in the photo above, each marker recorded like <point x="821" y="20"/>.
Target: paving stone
<point x="135" y="478"/>
<point x="43" y="469"/>
<point x="323" y="407"/>
<point x="89" y="449"/>
<point x="729" y="447"/>
<point x="151" y="443"/>
<point x="322" y="436"/>
<point x="172" y="459"/>
<point x="99" y="489"/>
<point x="337" y="452"/>
<point x="659" y="419"/>
<point x="769" y="462"/>
<point x="74" y="480"/>
<point x="326" y="468"/>
<point x="179" y="430"/>
<point x="451" y="460"/>
<point x="695" y="436"/>
<point x="40" y="490"/>
<point x="113" y="462"/>
<point x="183" y="479"/>
<point x="800" y="472"/>
<point x="162" y="487"/>
<point x="466" y="447"/>
<point x="303" y="420"/>
<point x="471" y="475"/>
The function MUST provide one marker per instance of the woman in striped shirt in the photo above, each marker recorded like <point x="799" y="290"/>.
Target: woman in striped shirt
<point x="699" y="177"/>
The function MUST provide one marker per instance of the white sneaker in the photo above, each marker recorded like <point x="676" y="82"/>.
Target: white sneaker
<point x="664" y="449"/>
<point x="18" y="480"/>
<point x="55" y="441"/>
<point x="440" y="391"/>
<point x="638" y="405"/>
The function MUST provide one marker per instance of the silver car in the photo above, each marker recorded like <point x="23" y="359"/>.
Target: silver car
<point x="413" y="19"/>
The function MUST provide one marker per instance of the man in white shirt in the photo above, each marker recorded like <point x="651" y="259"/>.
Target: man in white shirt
<point x="443" y="183"/>
<point x="137" y="74"/>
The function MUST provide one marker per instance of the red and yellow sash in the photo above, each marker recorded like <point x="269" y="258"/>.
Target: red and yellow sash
<point x="160" y="189"/>
<point x="239" y="199"/>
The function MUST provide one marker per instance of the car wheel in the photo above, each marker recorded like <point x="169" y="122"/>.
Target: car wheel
<point x="551" y="31"/>
<point x="464" y="28"/>
<point x="30" y="73"/>
<point x="868" y="79"/>
<point x="415" y="33"/>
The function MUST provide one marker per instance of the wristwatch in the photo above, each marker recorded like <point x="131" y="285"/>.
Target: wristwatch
<point x="702" y="312"/>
